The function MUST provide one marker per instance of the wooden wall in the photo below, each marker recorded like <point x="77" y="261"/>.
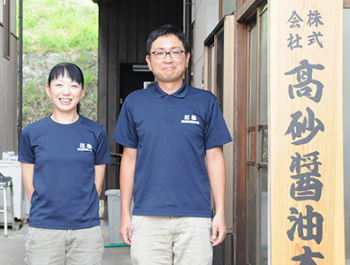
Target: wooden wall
<point x="8" y="81"/>
<point x="124" y="26"/>
<point x="8" y="96"/>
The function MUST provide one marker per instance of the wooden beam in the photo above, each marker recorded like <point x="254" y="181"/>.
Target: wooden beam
<point x="247" y="10"/>
<point x="102" y="77"/>
<point x="239" y="142"/>
<point x="346" y="4"/>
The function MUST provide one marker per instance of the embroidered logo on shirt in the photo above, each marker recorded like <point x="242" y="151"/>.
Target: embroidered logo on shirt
<point x="83" y="147"/>
<point x="192" y="119"/>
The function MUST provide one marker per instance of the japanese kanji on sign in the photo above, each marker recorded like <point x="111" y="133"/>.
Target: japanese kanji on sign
<point x="306" y="132"/>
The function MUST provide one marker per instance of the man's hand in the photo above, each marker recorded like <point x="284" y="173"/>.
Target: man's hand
<point x="219" y="229"/>
<point x="125" y="229"/>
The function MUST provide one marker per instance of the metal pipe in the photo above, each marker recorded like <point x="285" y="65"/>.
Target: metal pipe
<point x="188" y="22"/>
<point x="20" y="67"/>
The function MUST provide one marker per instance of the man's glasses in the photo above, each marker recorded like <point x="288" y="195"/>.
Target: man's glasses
<point x="163" y="54"/>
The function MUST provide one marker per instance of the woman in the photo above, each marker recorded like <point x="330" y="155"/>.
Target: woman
<point x="63" y="158"/>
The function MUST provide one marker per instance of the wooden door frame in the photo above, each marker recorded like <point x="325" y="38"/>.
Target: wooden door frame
<point x="245" y="11"/>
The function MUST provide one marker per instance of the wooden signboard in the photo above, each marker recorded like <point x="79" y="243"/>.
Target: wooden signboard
<point x="306" y="132"/>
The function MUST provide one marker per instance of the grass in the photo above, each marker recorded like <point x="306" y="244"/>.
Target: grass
<point x="59" y="26"/>
<point x="53" y="32"/>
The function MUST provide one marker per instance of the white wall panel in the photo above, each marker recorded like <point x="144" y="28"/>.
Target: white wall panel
<point x="206" y="18"/>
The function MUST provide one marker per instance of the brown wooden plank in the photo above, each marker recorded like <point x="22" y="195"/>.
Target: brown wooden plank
<point x="112" y="87"/>
<point x="103" y="64"/>
<point x="132" y="31"/>
<point x="102" y="75"/>
<point x="122" y="24"/>
<point x="239" y="139"/>
<point x="172" y="16"/>
<point x="222" y="254"/>
<point x="144" y="12"/>
<point x="162" y="17"/>
<point x="251" y="128"/>
<point x="247" y="10"/>
<point x="152" y="21"/>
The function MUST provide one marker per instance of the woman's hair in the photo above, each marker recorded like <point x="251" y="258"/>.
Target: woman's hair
<point x="66" y="69"/>
<point x="166" y="30"/>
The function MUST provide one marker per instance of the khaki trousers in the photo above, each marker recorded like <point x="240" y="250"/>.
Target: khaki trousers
<point x="59" y="247"/>
<point x="165" y="240"/>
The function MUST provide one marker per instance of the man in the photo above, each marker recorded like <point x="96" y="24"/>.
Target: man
<point x="170" y="131"/>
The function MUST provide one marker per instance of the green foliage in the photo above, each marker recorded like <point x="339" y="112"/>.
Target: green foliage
<point x="37" y="107"/>
<point x="53" y="32"/>
<point x="65" y="25"/>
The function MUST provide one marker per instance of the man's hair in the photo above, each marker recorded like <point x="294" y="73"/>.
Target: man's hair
<point x="166" y="30"/>
<point x="66" y="69"/>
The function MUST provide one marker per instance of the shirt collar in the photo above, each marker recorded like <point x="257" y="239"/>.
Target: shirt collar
<point x="180" y="93"/>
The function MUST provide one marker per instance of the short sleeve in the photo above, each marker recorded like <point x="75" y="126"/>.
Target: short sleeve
<point x="125" y="132"/>
<point x="102" y="155"/>
<point x="216" y="131"/>
<point x="26" y="150"/>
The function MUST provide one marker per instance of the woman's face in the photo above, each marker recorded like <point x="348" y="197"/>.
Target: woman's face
<point x="65" y="94"/>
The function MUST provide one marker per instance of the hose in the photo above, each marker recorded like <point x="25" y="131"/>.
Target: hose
<point x="116" y="245"/>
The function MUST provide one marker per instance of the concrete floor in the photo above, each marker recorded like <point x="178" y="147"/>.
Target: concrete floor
<point x="12" y="248"/>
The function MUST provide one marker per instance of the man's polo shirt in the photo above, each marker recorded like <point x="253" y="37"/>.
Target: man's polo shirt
<point x="171" y="134"/>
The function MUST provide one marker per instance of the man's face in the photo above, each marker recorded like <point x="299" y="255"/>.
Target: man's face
<point x="168" y="69"/>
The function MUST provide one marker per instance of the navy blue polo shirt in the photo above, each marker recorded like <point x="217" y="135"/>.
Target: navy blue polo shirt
<point x="171" y="134"/>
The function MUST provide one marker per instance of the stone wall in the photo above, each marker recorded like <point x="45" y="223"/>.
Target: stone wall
<point x="36" y="69"/>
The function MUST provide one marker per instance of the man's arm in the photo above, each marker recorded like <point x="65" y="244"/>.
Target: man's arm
<point x="99" y="177"/>
<point x="28" y="174"/>
<point x="127" y="174"/>
<point x="217" y="178"/>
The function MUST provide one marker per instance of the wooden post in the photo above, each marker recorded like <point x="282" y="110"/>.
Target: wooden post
<point x="306" y="132"/>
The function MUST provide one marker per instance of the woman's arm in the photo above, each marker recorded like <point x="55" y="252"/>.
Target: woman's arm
<point x="28" y="174"/>
<point x="99" y="177"/>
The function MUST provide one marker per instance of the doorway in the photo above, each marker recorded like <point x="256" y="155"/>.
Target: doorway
<point x="133" y="77"/>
